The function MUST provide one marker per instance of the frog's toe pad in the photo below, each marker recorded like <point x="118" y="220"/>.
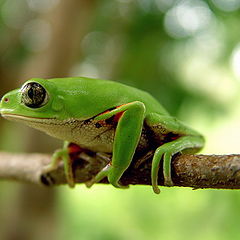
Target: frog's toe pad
<point x="118" y="185"/>
<point x="168" y="182"/>
<point x="89" y="183"/>
<point x="156" y="189"/>
<point x="71" y="183"/>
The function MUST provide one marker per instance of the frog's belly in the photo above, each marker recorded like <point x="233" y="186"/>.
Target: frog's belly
<point x="97" y="136"/>
<point x="90" y="137"/>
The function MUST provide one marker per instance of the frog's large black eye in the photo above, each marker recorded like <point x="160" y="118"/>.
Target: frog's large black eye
<point x="34" y="95"/>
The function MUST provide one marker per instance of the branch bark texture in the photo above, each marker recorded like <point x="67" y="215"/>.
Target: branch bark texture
<point x="196" y="171"/>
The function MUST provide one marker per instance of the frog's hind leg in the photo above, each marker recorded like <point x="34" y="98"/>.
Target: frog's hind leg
<point x="185" y="139"/>
<point x="166" y="151"/>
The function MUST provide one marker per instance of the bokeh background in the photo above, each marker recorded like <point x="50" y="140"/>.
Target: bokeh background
<point x="186" y="53"/>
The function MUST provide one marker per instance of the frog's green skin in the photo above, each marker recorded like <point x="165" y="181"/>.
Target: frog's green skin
<point x="101" y="116"/>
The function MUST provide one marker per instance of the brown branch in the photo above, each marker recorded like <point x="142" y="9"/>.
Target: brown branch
<point x="196" y="171"/>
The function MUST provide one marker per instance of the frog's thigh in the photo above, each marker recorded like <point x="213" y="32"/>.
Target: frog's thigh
<point x="169" y="124"/>
<point x="127" y="135"/>
<point x="165" y="123"/>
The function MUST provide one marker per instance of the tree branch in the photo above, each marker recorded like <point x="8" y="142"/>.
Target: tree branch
<point x="196" y="171"/>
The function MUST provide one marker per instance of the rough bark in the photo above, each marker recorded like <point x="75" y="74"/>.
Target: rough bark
<point x="196" y="171"/>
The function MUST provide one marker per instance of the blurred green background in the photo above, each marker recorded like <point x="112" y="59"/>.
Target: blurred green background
<point x="185" y="52"/>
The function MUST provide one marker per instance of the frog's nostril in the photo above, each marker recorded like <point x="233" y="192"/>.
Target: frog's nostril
<point x="6" y="99"/>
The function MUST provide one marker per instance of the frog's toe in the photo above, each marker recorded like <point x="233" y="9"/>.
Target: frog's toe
<point x="48" y="168"/>
<point x="113" y="177"/>
<point x="168" y="182"/>
<point x="70" y="181"/>
<point x="118" y="185"/>
<point x="89" y="183"/>
<point x="101" y="175"/>
<point x="155" y="188"/>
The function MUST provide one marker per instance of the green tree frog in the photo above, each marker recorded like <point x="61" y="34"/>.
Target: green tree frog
<point x="101" y="116"/>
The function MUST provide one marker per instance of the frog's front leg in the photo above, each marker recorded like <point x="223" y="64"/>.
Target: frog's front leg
<point x="187" y="139"/>
<point x="129" y="119"/>
<point x="62" y="154"/>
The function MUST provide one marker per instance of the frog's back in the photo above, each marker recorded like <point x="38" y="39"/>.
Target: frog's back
<point x="108" y="93"/>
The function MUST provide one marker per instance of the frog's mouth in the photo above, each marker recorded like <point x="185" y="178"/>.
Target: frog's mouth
<point x="48" y="125"/>
<point x="17" y="117"/>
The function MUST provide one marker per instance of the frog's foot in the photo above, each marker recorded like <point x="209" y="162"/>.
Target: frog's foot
<point x="167" y="150"/>
<point x="101" y="175"/>
<point x="69" y="175"/>
<point x="86" y="157"/>
<point x="111" y="173"/>
<point x="114" y="174"/>
<point x="50" y="167"/>
<point x="62" y="154"/>
<point x="53" y="165"/>
<point x="45" y="177"/>
<point x="167" y="168"/>
<point x="104" y="156"/>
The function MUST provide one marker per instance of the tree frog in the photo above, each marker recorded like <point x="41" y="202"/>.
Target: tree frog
<point x="101" y="116"/>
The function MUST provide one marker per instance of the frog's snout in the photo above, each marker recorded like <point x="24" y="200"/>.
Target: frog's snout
<point x="5" y="105"/>
<point x="8" y="102"/>
<point x="3" y="101"/>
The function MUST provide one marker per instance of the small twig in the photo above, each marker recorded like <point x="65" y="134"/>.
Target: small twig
<point x="196" y="171"/>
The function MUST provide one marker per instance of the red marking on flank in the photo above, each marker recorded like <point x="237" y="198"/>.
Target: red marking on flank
<point x="74" y="148"/>
<point x="117" y="116"/>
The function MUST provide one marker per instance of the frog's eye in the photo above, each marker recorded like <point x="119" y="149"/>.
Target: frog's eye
<point x="34" y="95"/>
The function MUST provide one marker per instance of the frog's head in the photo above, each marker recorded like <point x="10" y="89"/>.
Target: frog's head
<point x="37" y="99"/>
